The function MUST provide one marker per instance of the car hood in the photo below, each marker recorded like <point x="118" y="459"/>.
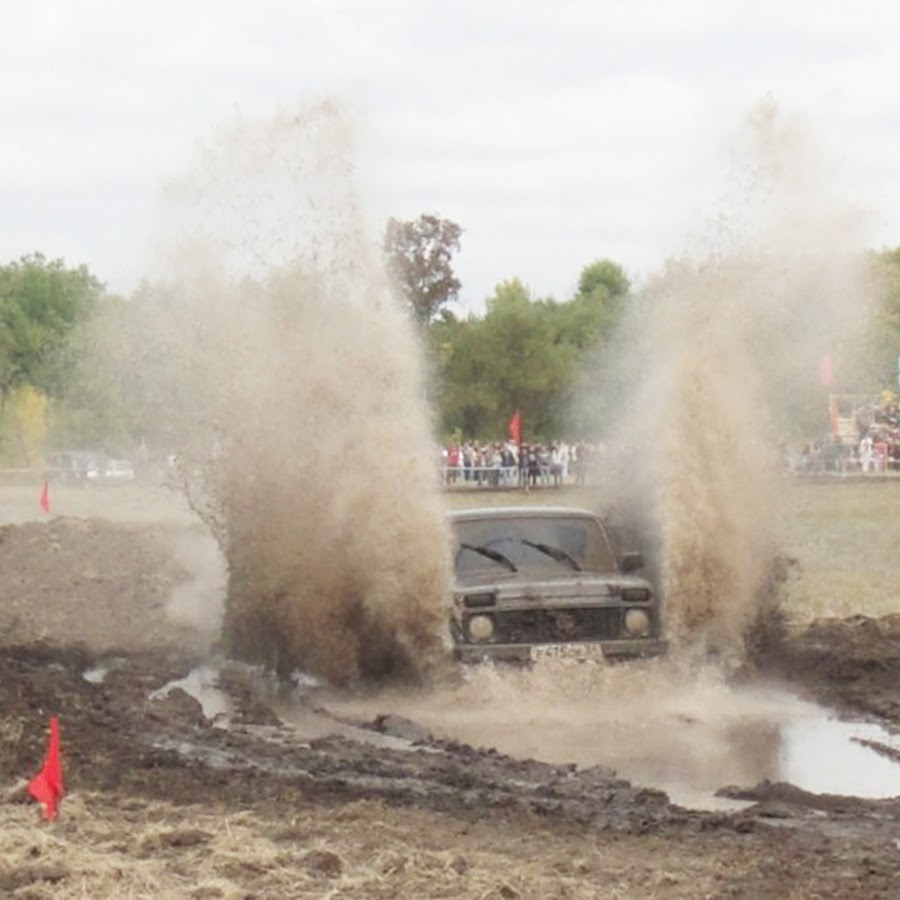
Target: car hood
<point x="576" y="587"/>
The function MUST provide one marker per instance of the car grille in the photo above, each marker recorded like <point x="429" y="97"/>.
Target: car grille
<point x="537" y="626"/>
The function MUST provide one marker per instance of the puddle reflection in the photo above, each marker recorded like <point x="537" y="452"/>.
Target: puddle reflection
<point x="820" y="755"/>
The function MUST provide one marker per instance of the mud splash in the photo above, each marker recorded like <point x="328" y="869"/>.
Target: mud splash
<point x="718" y="363"/>
<point x="283" y="374"/>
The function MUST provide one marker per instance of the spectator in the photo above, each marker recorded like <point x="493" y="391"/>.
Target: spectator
<point x="556" y="468"/>
<point x="453" y="464"/>
<point x="534" y="466"/>
<point x="881" y="448"/>
<point x="867" y="453"/>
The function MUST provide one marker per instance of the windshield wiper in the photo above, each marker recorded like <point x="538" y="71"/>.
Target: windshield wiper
<point x="494" y="555"/>
<point x="556" y="553"/>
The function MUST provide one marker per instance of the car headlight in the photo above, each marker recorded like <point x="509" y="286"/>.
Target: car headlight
<point x="637" y="622"/>
<point x="480" y="628"/>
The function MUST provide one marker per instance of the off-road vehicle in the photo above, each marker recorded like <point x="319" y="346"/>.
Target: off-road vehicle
<point x="533" y="582"/>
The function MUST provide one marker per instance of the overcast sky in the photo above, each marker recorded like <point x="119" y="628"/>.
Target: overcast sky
<point x="554" y="133"/>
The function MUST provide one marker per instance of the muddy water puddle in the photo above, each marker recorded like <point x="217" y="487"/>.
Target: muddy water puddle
<point x="655" y="726"/>
<point x="308" y="722"/>
<point x="686" y="735"/>
<point x="201" y="683"/>
<point x="827" y="756"/>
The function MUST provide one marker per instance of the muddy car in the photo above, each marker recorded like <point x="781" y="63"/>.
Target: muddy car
<point x="537" y="582"/>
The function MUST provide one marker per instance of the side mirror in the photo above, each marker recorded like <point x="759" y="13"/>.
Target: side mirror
<point x="632" y="561"/>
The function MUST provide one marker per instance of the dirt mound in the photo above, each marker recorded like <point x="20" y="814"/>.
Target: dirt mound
<point x="851" y="664"/>
<point x="89" y="581"/>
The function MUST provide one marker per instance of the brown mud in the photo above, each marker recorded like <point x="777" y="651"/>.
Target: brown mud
<point x="86" y="633"/>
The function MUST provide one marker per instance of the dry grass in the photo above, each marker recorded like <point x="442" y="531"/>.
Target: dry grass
<point x="845" y="536"/>
<point x="104" y="848"/>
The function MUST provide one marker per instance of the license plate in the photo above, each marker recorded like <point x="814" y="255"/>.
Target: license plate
<point x="566" y="651"/>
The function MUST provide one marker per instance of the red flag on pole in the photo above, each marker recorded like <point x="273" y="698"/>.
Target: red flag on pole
<point x="45" y="497"/>
<point x="515" y="427"/>
<point x="826" y="371"/>
<point x="47" y="786"/>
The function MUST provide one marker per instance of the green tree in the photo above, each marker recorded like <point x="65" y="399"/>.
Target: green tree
<point x="99" y="405"/>
<point x="885" y="344"/>
<point x="527" y="353"/>
<point x="419" y="256"/>
<point x="603" y="278"/>
<point x="534" y="363"/>
<point x="512" y="358"/>
<point x="597" y="306"/>
<point x="41" y="302"/>
<point x="463" y="393"/>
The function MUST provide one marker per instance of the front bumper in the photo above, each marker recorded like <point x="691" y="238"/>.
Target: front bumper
<point x="643" y="648"/>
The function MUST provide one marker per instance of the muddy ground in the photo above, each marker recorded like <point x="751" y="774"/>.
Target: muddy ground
<point x="166" y="801"/>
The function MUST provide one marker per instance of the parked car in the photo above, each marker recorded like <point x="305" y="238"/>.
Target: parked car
<point x="118" y="470"/>
<point x="74" y="466"/>
<point x="537" y="582"/>
<point x="88" y="467"/>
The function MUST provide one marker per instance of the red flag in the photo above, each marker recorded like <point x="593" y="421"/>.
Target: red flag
<point x="515" y="427"/>
<point x="47" y="786"/>
<point x="45" y="497"/>
<point x="826" y="371"/>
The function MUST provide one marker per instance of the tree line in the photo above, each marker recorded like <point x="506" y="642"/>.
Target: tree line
<point x="70" y="351"/>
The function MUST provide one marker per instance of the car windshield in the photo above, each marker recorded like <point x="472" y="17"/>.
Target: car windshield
<point x="531" y="545"/>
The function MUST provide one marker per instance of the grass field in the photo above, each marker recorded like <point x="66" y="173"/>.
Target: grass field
<point x="846" y="537"/>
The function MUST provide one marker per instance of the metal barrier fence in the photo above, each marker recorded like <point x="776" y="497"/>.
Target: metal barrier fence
<point x="500" y="477"/>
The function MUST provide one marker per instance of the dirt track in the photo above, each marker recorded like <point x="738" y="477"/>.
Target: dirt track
<point x="164" y="802"/>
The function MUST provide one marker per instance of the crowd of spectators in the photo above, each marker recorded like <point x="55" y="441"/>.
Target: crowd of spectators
<point x="867" y="442"/>
<point x="870" y="445"/>
<point x="508" y="464"/>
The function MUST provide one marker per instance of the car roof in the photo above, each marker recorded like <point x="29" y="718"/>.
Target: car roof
<point x="517" y="512"/>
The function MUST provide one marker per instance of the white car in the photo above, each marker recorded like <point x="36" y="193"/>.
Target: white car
<point x="119" y="470"/>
